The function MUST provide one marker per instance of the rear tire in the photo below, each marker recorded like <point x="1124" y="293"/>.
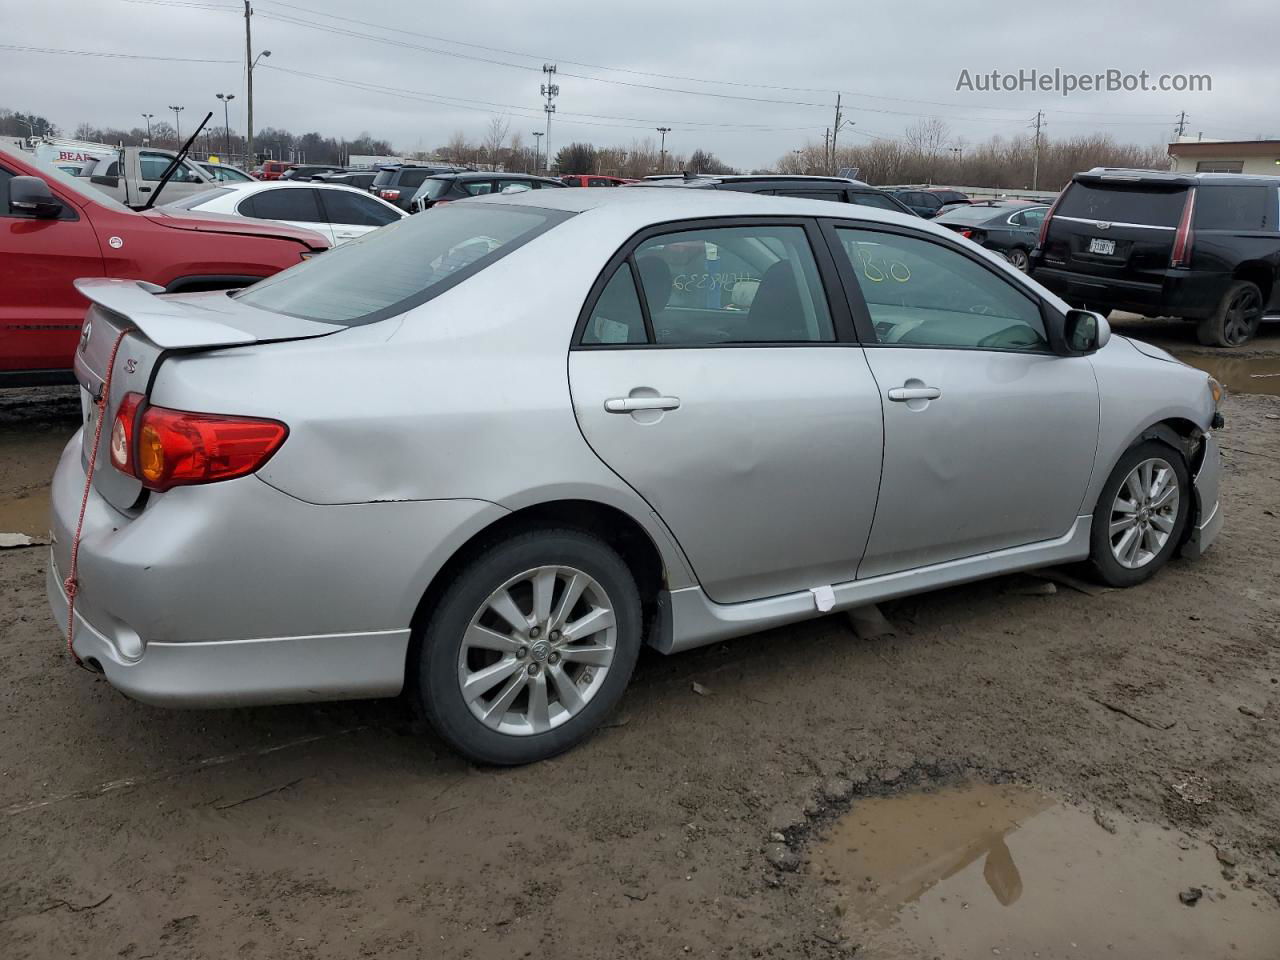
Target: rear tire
<point x="1235" y="321"/>
<point x="504" y="692"/>
<point x="1018" y="257"/>
<point x="1141" y="514"/>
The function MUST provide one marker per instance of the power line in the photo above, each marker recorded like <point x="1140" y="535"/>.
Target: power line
<point x="102" y="53"/>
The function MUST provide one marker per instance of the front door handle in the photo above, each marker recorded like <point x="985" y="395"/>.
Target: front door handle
<point x="902" y="394"/>
<point x="632" y="404"/>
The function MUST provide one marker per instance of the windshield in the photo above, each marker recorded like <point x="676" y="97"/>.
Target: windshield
<point x="196" y="199"/>
<point x="77" y="187"/>
<point x="401" y="265"/>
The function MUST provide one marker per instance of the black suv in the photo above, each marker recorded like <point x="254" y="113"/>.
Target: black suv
<point x="397" y="184"/>
<point x="444" y="187"/>
<point x="838" y="189"/>
<point x="928" y="202"/>
<point x="1200" y="246"/>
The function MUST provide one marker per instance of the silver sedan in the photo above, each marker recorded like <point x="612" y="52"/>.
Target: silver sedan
<point x="481" y="456"/>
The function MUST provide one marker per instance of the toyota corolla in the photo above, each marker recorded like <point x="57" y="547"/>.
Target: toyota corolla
<point x="482" y="456"/>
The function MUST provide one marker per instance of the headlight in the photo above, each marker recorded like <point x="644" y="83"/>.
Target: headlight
<point x="1216" y="391"/>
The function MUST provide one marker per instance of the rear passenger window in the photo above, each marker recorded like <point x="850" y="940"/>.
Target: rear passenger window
<point x="873" y="200"/>
<point x="286" y="203"/>
<point x="734" y="285"/>
<point x="617" y="316"/>
<point x="812" y="194"/>
<point x="921" y="293"/>
<point x="1235" y="208"/>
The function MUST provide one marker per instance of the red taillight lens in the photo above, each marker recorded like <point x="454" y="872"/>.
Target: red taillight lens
<point x="122" y="432"/>
<point x="176" y="448"/>
<point x="1048" y="218"/>
<point x="967" y="233"/>
<point x="389" y="194"/>
<point x="1183" y="240"/>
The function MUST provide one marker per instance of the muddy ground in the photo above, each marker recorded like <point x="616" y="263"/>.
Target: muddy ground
<point x="341" y="831"/>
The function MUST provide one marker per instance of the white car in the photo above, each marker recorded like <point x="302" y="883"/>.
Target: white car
<point x="339" y="213"/>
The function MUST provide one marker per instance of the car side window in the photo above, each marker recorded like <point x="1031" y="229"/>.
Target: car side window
<point x="812" y="194"/>
<point x="154" y="165"/>
<point x="286" y="203"/>
<point x="599" y="182"/>
<point x="355" y="210"/>
<point x="1032" y="218"/>
<point x="925" y="294"/>
<point x="734" y="285"/>
<point x="478" y="188"/>
<point x="872" y="200"/>
<point x="617" y="316"/>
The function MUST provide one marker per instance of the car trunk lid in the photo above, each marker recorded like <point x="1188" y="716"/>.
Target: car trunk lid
<point x="1119" y="228"/>
<point x="129" y="321"/>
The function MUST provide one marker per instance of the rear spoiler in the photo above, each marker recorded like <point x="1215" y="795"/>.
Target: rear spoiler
<point x="1150" y="178"/>
<point x="180" y="324"/>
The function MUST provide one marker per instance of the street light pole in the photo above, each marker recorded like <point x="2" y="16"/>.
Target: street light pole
<point x="177" y="125"/>
<point x="662" y="150"/>
<point x="537" y="144"/>
<point x="226" y="98"/>
<point x="147" y="117"/>
<point x="250" y="61"/>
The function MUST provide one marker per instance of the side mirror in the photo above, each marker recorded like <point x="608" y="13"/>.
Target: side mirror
<point x="32" y="195"/>
<point x="1084" y="331"/>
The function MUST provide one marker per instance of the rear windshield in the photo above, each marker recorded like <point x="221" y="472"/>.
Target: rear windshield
<point x="435" y="189"/>
<point x="1127" y="203"/>
<point x="384" y="177"/>
<point x="401" y="265"/>
<point x="1235" y="208"/>
<point x="196" y="199"/>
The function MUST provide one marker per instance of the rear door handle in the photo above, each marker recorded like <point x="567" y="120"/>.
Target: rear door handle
<point x="902" y="394"/>
<point x="632" y="404"/>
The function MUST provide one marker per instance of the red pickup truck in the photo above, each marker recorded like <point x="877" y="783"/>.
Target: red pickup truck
<point x="55" y="229"/>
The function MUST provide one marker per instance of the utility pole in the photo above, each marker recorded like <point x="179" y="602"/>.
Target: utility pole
<point x="177" y="126"/>
<point x="537" y="141"/>
<point x="662" y="150"/>
<point x="226" y="99"/>
<point x="835" y="132"/>
<point x="826" y="149"/>
<point x="1182" y="123"/>
<point x="1038" y="122"/>
<point x="147" y="117"/>
<point x="550" y="91"/>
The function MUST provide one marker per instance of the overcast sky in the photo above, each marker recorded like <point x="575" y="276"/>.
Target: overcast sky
<point x="894" y="62"/>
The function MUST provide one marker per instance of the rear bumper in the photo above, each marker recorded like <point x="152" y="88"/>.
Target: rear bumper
<point x="1176" y="293"/>
<point x="236" y="593"/>
<point x="1209" y="513"/>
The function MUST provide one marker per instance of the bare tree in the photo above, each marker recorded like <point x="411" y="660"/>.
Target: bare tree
<point x="495" y="138"/>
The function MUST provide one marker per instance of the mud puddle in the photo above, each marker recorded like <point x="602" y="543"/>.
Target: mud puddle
<point x="1240" y="374"/>
<point x="983" y="871"/>
<point x="29" y="514"/>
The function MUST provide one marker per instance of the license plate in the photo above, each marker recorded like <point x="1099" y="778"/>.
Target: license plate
<point x="1105" y="247"/>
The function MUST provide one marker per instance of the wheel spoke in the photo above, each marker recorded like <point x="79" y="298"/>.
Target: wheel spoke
<point x="1161" y="481"/>
<point x="1119" y="526"/>
<point x="1163" y="522"/>
<point x="569" y="599"/>
<point x="482" y="681"/>
<point x="504" y="606"/>
<point x="595" y="655"/>
<point x="544" y="586"/>
<point x="1133" y="483"/>
<point x="1134" y="547"/>
<point x="1125" y="546"/>
<point x="486" y="639"/>
<point x="1152" y="540"/>
<point x="1144" y="478"/>
<point x="1167" y="496"/>
<point x="539" y="716"/>
<point x="494" y="712"/>
<point x="598" y="619"/>
<point x="1125" y="506"/>
<point x="570" y="695"/>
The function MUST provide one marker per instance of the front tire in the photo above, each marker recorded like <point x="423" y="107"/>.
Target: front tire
<point x="1141" y="514"/>
<point x="1236" y="320"/>
<point x="530" y="647"/>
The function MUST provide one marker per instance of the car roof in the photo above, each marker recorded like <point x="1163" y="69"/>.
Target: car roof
<point x="1173" y="178"/>
<point x="770" y="178"/>
<point x="481" y="175"/>
<point x="641" y="208"/>
<point x="259" y="185"/>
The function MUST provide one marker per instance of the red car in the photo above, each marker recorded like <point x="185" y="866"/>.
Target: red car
<point x="272" y="170"/>
<point x="55" y="229"/>
<point x="592" y="180"/>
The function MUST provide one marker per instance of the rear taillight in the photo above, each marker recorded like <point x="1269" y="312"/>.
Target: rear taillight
<point x="389" y="194"/>
<point x="122" y="430"/>
<point x="1048" y="218"/>
<point x="171" y="448"/>
<point x="1184" y="238"/>
<point x="966" y="232"/>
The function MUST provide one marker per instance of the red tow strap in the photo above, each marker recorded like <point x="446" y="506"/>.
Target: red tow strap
<point x="72" y="583"/>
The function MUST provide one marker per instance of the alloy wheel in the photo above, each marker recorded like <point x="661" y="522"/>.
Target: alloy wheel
<point x="1144" y="513"/>
<point x="1242" y="316"/>
<point x="537" y="651"/>
<point x="1019" y="259"/>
